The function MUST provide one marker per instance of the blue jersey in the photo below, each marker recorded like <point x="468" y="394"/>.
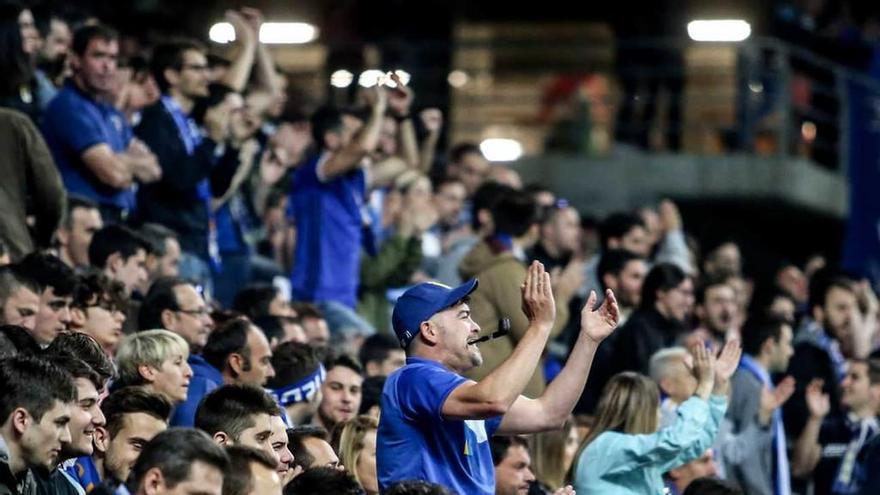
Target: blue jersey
<point x="415" y="441"/>
<point x="74" y="122"/>
<point x="329" y="223"/>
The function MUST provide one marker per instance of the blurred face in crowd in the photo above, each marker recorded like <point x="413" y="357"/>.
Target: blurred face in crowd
<point x="192" y="76"/>
<point x="30" y="37"/>
<point x="131" y="271"/>
<point x="792" y="280"/>
<point x="514" y="474"/>
<point x="280" y="306"/>
<point x="449" y="201"/>
<point x="321" y="452"/>
<point x="859" y="395"/>
<point x="837" y="315"/>
<point x="653" y="226"/>
<point x="192" y="320"/>
<point x="41" y="440"/>
<point x="341" y="396"/>
<point x="454" y="330"/>
<point x="278" y="439"/>
<point x="677" y="303"/>
<point x="95" y="70"/>
<point x="21" y="308"/>
<point x="387" y="139"/>
<point x="264" y="481"/>
<point x="203" y="479"/>
<point x="102" y="321"/>
<point x="572" y="442"/>
<point x="719" y="308"/>
<point x="259" y="369"/>
<point x="700" y="468"/>
<point x="172" y="378"/>
<point x="75" y="240"/>
<point x="563" y="231"/>
<point x="259" y="436"/>
<point x="472" y="171"/>
<point x="782" y="350"/>
<point x="122" y="451"/>
<point x="141" y="91"/>
<point x="53" y="317"/>
<point x="317" y="331"/>
<point x="725" y="260"/>
<point x="366" y="464"/>
<point x="293" y="332"/>
<point x="783" y="307"/>
<point x="679" y="383"/>
<point x="57" y="43"/>
<point x="395" y="360"/>
<point x="636" y="240"/>
<point x="627" y="285"/>
<point x="169" y="264"/>
<point x="85" y="417"/>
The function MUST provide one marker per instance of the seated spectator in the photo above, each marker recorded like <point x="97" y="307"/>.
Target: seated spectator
<point x="90" y="139"/>
<point x="498" y="264"/>
<point x="240" y="351"/>
<point x="679" y="479"/>
<point x="371" y="396"/>
<point x="187" y="157"/>
<point x="58" y="282"/>
<point x="19" y="298"/>
<point x="251" y="472"/>
<point x="553" y="453"/>
<point x="298" y="380"/>
<point x="340" y="393"/>
<point x="32" y="186"/>
<point x="75" y="233"/>
<point x="98" y="310"/>
<point x="261" y="300"/>
<point x="279" y="442"/>
<point x="89" y="350"/>
<point x="36" y="403"/>
<point x="829" y="449"/>
<point x="381" y="355"/>
<point x="163" y="255"/>
<point x="322" y="480"/>
<point x="281" y="329"/>
<point x="766" y="349"/>
<point x="314" y="324"/>
<point x="121" y="254"/>
<point x="624" y="273"/>
<point x="133" y="417"/>
<point x="178" y="460"/>
<point x="238" y="415"/>
<point x="626" y="433"/>
<point x="355" y="441"/>
<point x="513" y="473"/>
<point x="156" y="361"/>
<point x="311" y="448"/>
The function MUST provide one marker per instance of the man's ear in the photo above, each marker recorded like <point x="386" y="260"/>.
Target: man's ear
<point x="429" y="333"/>
<point x="21" y="420"/>
<point x="222" y="439"/>
<point x="235" y="361"/>
<point x="153" y="482"/>
<point x="102" y="439"/>
<point x="114" y="262"/>
<point x="167" y="318"/>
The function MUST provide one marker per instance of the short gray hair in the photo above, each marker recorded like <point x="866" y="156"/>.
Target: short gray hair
<point x="662" y="361"/>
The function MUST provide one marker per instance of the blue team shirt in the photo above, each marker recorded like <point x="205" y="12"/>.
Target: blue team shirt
<point x="329" y="222"/>
<point x="415" y="442"/>
<point x="74" y="122"/>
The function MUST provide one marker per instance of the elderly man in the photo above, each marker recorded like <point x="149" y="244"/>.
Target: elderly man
<point x="435" y="423"/>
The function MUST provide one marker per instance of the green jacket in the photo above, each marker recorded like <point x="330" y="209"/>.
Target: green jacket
<point x="393" y="266"/>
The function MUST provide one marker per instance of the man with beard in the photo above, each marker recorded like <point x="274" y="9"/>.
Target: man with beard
<point x="624" y="273"/>
<point x="52" y="57"/>
<point x="717" y="312"/>
<point x="832" y="332"/>
<point x="340" y="393"/>
<point x="436" y="424"/>
<point x="91" y="142"/>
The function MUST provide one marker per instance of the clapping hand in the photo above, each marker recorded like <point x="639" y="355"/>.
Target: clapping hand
<point x="772" y="400"/>
<point x="817" y="402"/>
<point x="597" y="324"/>
<point x="537" y="297"/>
<point x="565" y="490"/>
<point x="726" y="365"/>
<point x="704" y="369"/>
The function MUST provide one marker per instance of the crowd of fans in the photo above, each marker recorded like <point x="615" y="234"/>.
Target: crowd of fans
<point x="197" y="286"/>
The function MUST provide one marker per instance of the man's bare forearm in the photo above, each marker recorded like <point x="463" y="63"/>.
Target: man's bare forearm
<point x="564" y="391"/>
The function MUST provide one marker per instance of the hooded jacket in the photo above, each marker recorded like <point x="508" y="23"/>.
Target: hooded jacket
<point x="9" y="484"/>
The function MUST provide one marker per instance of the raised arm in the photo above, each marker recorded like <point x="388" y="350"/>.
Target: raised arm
<point x="496" y="393"/>
<point x="807" y="451"/>
<point x="349" y="157"/>
<point x="551" y="409"/>
<point x="240" y="69"/>
<point x="432" y="120"/>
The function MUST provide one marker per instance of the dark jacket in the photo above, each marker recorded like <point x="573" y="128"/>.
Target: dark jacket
<point x="173" y="201"/>
<point x="30" y="185"/>
<point x="9" y="484"/>
<point x="646" y="332"/>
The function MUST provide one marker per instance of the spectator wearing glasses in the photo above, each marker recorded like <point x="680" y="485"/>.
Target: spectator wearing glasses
<point x="90" y="139"/>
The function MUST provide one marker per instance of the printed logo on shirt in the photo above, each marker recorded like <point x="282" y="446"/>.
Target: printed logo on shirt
<point x="475" y="432"/>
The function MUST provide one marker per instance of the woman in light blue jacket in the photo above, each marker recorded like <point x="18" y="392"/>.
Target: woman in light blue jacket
<point x="624" y="454"/>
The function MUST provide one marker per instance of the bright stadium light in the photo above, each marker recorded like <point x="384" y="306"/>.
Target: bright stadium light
<point x="341" y="78"/>
<point x="287" y="33"/>
<point x="719" y="30"/>
<point x="370" y="78"/>
<point x="457" y="78"/>
<point x="402" y="74"/>
<point x="501" y="149"/>
<point x="222" y="32"/>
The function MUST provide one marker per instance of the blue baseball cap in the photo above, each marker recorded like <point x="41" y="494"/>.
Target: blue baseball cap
<point x="423" y="301"/>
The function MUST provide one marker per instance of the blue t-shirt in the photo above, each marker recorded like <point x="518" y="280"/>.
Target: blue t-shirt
<point x="74" y="122"/>
<point x="329" y="221"/>
<point x="415" y="442"/>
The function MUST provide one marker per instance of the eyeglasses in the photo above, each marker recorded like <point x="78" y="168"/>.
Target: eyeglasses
<point x="195" y="312"/>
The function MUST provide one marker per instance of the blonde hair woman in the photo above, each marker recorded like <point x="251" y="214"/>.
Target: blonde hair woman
<point x="626" y="454"/>
<point x="355" y="444"/>
<point x="155" y="360"/>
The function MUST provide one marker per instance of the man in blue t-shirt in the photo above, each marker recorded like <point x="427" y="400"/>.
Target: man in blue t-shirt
<point x="435" y="424"/>
<point x="90" y="140"/>
<point x="327" y="205"/>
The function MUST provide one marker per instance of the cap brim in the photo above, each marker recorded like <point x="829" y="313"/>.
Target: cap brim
<point x="460" y="292"/>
